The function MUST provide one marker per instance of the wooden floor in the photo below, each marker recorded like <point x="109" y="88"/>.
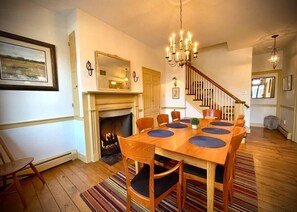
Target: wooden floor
<point x="275" y="164"/>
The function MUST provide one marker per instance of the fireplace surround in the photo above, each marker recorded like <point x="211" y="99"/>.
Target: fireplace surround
<point x="105" y="103"/>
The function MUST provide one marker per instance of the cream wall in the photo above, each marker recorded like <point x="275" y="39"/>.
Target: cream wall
<point x="40" y="141"/>
<point x="288" y="102"/>
<point x="261" y="63"/>
<point x="230" y="69"/>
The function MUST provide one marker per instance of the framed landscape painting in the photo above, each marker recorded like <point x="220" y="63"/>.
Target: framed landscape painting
<point x="27" y="64"/>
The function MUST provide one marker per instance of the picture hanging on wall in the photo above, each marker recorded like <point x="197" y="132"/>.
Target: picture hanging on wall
<point x="175" y="93"/>
<point x="27" y="64"/>
<point x="287" y="83"/>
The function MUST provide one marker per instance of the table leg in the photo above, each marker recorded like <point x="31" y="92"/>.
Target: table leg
<point x="211" y="170"/>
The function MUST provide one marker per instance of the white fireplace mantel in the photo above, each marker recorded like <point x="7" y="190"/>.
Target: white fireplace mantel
<point x="95" y="102"/>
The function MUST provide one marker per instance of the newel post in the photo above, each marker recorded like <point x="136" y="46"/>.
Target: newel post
<point x="238" y="109"/>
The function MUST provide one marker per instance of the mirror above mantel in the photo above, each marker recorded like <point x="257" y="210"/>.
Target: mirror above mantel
<point x="113" y="72"/>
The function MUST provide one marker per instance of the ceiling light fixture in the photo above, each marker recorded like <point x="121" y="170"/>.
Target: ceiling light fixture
<point x="274" y="58"/>
<point x="181" y="54"/>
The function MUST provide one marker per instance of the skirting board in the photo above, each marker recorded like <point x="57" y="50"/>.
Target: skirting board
<point x="287" y="134"/>
<point x="51" y="162"/>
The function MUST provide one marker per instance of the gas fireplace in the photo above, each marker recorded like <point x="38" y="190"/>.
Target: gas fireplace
<point x="110" y="128"/>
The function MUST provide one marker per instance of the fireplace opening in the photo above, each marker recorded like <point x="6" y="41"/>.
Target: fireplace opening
<point x="110" y="128"/>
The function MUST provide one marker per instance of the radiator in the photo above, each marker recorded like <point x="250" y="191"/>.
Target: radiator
<point x="285" y="132"/>
<point x="51" y="162"/>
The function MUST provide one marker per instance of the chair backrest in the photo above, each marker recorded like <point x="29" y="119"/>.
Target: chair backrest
<point x="175" y="115"/>
<point x="217" y="114"/>
<point x="163" y="119"/>
<point x="5" y="155"/>
<point x="137" y="151"/>
<point x="240" y="123"/>
<point x="238" y="134"/>
<point x="240" y="116"/>
<point x="145" y="123"/>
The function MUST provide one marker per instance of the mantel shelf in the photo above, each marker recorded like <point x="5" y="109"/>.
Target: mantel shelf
<point x="111" y="92"/>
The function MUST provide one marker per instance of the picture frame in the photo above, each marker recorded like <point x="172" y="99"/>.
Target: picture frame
<point x="175" y="93"/>
<point x="27" y="64"/>
<point x="287" y="83"/>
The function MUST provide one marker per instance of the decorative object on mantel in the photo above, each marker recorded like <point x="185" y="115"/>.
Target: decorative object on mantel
<point x="135" y="77"/>
<point x="194" y="123"/>
<point x="274" y="58"/>
<point x="89" y="68"/>
<point x="27" y="64"/>
<point x="181" y="54"/>
<point x="174" y="79"/>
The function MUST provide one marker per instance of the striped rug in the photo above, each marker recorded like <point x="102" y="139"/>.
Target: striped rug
<point x="110" y="195"/>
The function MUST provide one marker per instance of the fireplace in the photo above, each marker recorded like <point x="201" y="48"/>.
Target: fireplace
<point x="110" y="128"/>
<point x="99" y="105"/>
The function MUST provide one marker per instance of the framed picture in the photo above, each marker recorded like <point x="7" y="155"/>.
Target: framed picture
<point x="27" y="64"/>
<point x="175" y="93"/>
<point x="287" y="83"/>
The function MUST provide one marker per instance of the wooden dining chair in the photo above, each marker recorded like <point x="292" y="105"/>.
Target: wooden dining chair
<point x="212" y="114"/>
<point x="152" y="183"/>
<point x="224" y="174"/>
<point x="240" y="116"/>
<point x="145" y="123"/>
<point x="175" y="115"/>
<point x="163" y="119"/>
<point x="10" y="168"/>
<point x="240" y="123"/>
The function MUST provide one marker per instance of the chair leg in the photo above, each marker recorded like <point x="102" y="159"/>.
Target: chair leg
<point x="128" y="207"/>
<point x="37" y="173"/>
<point x="230" y="192"/>
<point x="19" y="189"/>
<point x="184" y="192"/>
<point x="178" y="197"/>
<point x="225" y="200"/>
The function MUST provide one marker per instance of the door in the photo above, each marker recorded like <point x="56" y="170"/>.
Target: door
<point x="151" y="93"/>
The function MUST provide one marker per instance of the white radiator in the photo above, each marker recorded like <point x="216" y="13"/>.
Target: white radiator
<point x="285" y="132"/>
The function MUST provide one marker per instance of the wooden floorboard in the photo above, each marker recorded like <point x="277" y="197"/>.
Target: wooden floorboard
<point x="275" y="160"/>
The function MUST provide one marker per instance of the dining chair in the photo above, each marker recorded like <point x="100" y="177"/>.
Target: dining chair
<point x="175" y="115"/>
<point x="145" y="123"/>
<point x="224" y="173"/>
<point x="240" y="116"/>
<point x="212" y="114"/>
<point x="10" y="168"/>
<point x="152" y="183"/>
<point x="163" y="119"/>
<point x="240" y="123"/>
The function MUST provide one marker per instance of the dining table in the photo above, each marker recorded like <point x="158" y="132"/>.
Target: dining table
<point x="179" y="141"/>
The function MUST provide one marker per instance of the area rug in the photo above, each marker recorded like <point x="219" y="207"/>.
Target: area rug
<point x="110" y="195"/>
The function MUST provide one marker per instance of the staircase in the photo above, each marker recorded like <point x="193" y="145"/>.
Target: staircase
<point x="205" y="93"/>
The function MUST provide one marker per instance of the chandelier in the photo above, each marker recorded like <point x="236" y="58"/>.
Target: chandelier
<point x="181" y="54"/>
<point x="274" y="58"/>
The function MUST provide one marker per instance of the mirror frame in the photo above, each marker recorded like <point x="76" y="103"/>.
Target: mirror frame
<point x="263" y="87"/>
<point x="98" y="78"/>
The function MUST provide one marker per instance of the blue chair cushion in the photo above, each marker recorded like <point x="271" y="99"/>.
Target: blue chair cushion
<point x="203" y="174"/>
<point x="140" y="182"/>
<point x="161" y="159"/>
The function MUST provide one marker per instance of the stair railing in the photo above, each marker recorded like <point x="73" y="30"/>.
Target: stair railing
<point x="213" y="95"/>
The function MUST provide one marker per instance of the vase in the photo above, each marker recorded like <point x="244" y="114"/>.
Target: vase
<point x="194" y="126"/>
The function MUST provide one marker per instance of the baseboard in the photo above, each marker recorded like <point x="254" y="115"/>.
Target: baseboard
<point x="285" y="132"/>
<point x="81" y="157"/>
<point x="256" y="125"/>
<point x="51" y="162"/>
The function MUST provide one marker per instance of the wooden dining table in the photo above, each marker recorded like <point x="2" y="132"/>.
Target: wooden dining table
<point x="178" y="147"/>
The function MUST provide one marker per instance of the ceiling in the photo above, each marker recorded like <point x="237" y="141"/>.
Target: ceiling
<point x="239" y="23"/>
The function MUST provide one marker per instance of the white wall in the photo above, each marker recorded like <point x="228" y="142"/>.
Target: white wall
<point x="230" y="69"/>
<point x="94" y="34"/>
<point x="288" y="98"/>
<point x="29" y="20"/>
